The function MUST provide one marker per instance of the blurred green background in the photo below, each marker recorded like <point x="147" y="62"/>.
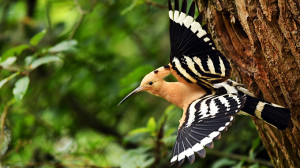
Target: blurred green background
<point x="65" y="65"/>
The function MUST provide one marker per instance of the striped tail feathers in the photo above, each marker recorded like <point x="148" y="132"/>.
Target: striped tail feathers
<point x="273" y="114"/>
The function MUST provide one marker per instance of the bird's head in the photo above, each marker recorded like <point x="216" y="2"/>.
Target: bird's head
<point x="151" y="82"/>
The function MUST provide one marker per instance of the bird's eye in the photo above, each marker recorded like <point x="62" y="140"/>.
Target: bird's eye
<point x="150" y="83"/>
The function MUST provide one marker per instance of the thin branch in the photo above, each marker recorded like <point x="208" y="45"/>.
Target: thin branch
<point x="239" y="157"/>
<point x="158" y="142"/>
<point x="3" y="117"/>
<point x="149" y="2"/>
<point x="10" y="68"/>
<point x="48" y="16"/>
<point x="5" y="8"/>
<point x="79" y="8"/>
<point x="82" y="16"/>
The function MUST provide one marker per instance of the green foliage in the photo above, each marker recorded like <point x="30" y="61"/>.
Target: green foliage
<point x="20" y="88"/>
<point x="37" y="38"/>
<point x="63" y="70"/>
<point x="137" y="158"/>
<point x="255" y="144"/>
<point x="44" y="60"/>
<point x="225" y="162"/>
<point x="133" y="4"/>
<point x="3" y="81"/>
<point x="63" y="46"/>
<point x="14" y="51"/>
<point x="130" y="81"/>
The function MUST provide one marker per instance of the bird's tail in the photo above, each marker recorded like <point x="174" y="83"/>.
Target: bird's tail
<point x="273" y="114"/>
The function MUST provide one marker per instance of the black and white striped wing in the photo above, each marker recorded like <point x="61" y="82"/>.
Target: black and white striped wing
<point x="205" y="119"/>
<point x="193" y="54"/>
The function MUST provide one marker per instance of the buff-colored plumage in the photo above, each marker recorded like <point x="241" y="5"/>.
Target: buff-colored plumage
<point x="179" y="93"/>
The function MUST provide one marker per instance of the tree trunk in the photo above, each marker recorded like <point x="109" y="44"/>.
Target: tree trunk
<point x="262" y="40"/>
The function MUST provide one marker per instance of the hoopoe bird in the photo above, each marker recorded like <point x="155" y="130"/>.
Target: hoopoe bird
<point x="203" y="90"/>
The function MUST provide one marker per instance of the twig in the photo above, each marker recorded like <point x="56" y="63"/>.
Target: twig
<point x="5" y="8"/>
<point x="76" y="26"/>
<point x="79" y="8"/>
<point x="48" y="15"/>
<point x="3" y="117"/>
<point x="149" y="2"/>
<point x="11" y="69"/>
<point x="158" y="142"/>
<point x="82" y="16"/>
<point x="239" y="157"/>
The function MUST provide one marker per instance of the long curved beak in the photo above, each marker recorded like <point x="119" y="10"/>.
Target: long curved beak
<point x="131" y="93"/>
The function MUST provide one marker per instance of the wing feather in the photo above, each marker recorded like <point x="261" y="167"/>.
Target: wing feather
<point x="194" y="56"/>
<point x="205" y="119"/>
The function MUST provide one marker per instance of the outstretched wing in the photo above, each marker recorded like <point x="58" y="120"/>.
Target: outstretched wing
<point x="205" y="119"/>
<point x="193" y="54"/>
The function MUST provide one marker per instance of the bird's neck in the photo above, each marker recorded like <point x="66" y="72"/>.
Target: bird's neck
<point x="180" y="94"/>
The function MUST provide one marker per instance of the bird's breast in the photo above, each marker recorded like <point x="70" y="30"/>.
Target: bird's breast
<point x="181" y="94"/>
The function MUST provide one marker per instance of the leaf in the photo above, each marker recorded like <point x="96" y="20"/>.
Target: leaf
<point x="240" y="164"/>
<point x="255" y="144"/>
<point x="137" y="135"/>
<point x="133" y="4"/>
<point x="170" y="132"/>
<point x="139" y="131"/>
<point x="166" y="113"/>
<point x="169" y="108"/>
<point x="8" y="62"/>
<point x="256" y="165"/>
<point x="169" y="140"/>
<point x="136" y="74"/>
<point x="151" y="125"/>
<point x="6" y="139"/>
<point x="223" y="163"/>
<point x="28" y="60"/>
<point x="37" y="38"/>
<point x="43" y="60"/>
<point x="136" y="158"/>
<point x="63" y="46"/>
<point x="20" y="88"/>
<point x="14" y="51"/>
<point x="3" y="81"/>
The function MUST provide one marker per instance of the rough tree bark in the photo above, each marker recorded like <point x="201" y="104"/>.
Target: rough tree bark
<point x="262" y="40"/>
